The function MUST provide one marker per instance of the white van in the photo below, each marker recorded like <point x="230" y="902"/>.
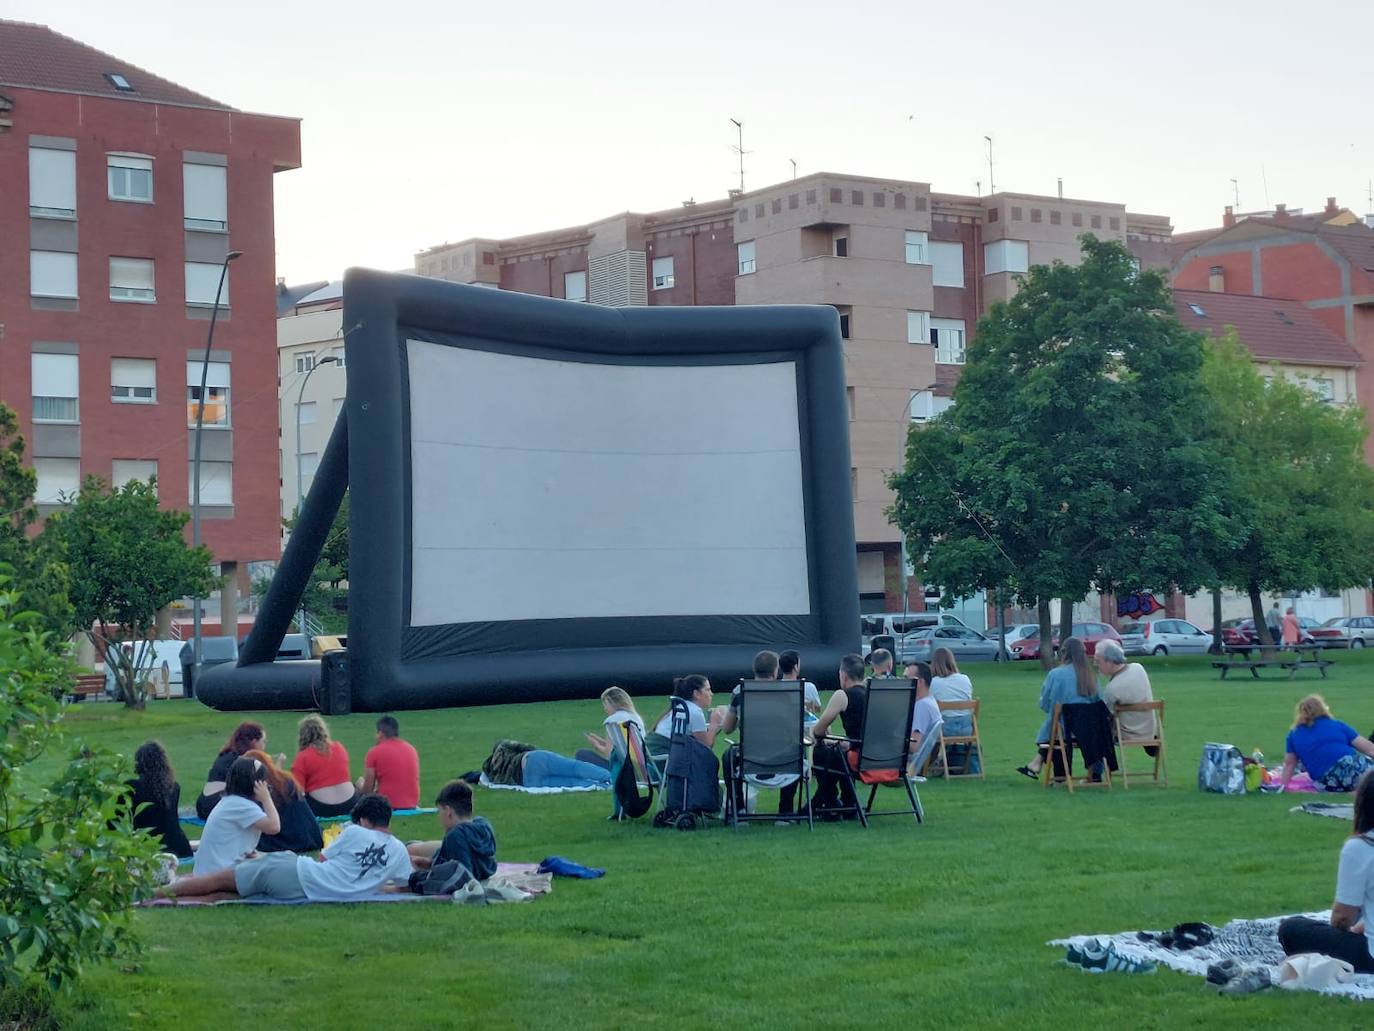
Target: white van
<point x="896" y="624"/>
<point x="168" y="652"/>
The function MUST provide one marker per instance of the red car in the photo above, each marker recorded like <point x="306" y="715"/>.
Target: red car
<point x="1088" y="633"/>
<point x="1240" y="633"/>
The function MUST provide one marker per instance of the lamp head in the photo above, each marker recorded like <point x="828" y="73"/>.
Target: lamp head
<point x="232" y="255"/>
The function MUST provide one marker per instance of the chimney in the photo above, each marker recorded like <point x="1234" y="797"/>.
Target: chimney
<point x="1061" y="189"/>
<point x="1281" y="212"/>
<point x="1331" y="208"/>
<point x="1229" y="219"/>
<point x="1216" y="279"/>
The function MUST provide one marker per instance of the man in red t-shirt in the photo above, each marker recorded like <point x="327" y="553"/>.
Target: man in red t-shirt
<point x="392" y="767"/>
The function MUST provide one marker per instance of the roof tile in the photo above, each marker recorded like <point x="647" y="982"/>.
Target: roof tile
<point x="1274" y="329"/>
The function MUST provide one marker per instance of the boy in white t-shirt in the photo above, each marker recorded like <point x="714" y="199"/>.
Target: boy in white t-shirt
<point x="361" y="861"/>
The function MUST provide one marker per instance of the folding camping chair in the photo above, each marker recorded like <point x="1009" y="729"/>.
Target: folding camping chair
<point x="1068" y="729"/>
<point x="629" y="750"/>
<point x="884" y="752"/>
<point x="772" y="743"/>
<point x="972" y="741"/>
<point x="1161" y="770"/>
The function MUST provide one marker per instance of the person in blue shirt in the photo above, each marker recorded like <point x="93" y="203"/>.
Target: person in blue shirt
<point x="1334" y="755"/>
<point x="1072" y="682"/>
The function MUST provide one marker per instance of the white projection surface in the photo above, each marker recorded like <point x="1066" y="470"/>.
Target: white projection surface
<point x="548" y="489"/>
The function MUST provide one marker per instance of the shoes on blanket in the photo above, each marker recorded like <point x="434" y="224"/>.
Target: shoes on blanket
<point x="1100" y="957"/>
<point x="478" y="893"/>
<point x="1234" y="978"/>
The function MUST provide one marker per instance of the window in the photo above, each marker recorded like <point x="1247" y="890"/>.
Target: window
<point x="305" y="361"/>
<point x="130" y="178"/>
<point x="131" y="279"/>
<point x="1006" y="256"/>
<point x="948" y="337"/>
<point x="126" y="470"/>
<point x="1325" y="389"/>
<point x="306" y="413"/>
<point x="339" y="358"/>
<point x="216" y="393"/>
<point x="575" y="286"/>
<point x="338" y="407"/>
<point x="746" y="258"/>
<point x="840" y="246"/>
<point x="133" y="381"/>
<point x="52" y="274"/>
<point x="916" y="244"/>
<point x="58" y="478"/>
<point x="947" y="263"/>
<point x="844" y="314"/>
<point x="202" y="281"/>
<point x="54" y="387"/>
<point x="119" y="82"/>
<point x="918" y="327"/>
<point x="663" y="273"/>
<point x="853" y="483"/>
<point x="52" y="182"/>
<point x="1197" y="310"/>
<point x="849" y="395"/>
<point x="205" y="203"/>
<point x="216" y="483"/>
<point x="310" y="463"/>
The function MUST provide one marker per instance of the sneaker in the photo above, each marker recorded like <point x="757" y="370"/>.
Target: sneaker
<point x="1099" y="957"/>
<point x="1223" y="972"/>
<point x="1255" y="979"/>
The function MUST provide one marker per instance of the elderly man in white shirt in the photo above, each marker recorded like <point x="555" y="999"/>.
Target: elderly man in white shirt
<point x="1127" y="684"/>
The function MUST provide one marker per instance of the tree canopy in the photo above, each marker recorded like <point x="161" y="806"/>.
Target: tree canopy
<point x="38" y="575"/>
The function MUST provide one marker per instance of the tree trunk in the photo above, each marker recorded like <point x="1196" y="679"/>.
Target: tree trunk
<point x="1266" y="639"/>
<point x="1217" y="646"/>
<point x="1042" y="613"/>
<point x="1065" y="620"/>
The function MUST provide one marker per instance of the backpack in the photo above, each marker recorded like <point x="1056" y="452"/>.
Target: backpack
<point x="441" y="879"/>
<point x="1222" y="770"/>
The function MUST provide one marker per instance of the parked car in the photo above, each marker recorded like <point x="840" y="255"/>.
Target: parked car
<point x="966" y="645"/>
<point x="166" y="652"/>
<point x="1164" y="637"/>
<point x="1240" y="633"/>
<point x="895" y="624"/>
<point x="1088" y="633"/>
<point x="1344" y="632"/>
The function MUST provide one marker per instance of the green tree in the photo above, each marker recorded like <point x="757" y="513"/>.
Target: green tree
<point x="1072" y="457"/>
<point x="70" y="863"/>
<point x="127" y="558"/>
<point x="1301" y="482"/>
<point x="40" y="575"/>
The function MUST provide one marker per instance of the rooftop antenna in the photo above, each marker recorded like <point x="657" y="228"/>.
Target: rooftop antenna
<point x="794" y="167"/>
<point x="739" y="149"/>
<point x="992" y="182"/>
<point x="1236" y="187"/>
<point x="1061" y="187"/>
<point x="1369" y="195"/>
<point x="978" y="186"/>
<point x="1264" y="179"/>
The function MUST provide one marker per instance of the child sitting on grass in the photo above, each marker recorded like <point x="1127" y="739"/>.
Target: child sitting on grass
<point x="468" y="839"/>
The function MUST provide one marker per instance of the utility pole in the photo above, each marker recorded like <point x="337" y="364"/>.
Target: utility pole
<point x="992" y="182"/>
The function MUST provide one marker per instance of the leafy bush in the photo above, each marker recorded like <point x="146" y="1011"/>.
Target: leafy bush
<point x="70" y="863"/>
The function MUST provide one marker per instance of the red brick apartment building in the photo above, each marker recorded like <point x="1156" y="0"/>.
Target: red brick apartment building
<point x="122" y="194"/>
<point x="910" y="272"/>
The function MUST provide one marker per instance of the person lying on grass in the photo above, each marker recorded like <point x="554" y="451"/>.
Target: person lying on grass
<point x="361" y="861"/>
<point x="468" y="839"/>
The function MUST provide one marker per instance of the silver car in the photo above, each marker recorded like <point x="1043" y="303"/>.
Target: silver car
<point x="1345" y="632"/>
<point x="964" y="644"/>
<point x="1164" y="637"/>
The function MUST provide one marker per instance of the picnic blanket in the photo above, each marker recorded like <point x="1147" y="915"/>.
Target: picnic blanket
<point x="1251" y="942"/>
<point x="1338" y="810"/>
<point x="195" y="821"/>
<point x="541" y="791"/>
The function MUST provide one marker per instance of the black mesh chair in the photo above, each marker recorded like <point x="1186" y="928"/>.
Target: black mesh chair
<point x="885" y="749"/>
<point x="771" y="745"/>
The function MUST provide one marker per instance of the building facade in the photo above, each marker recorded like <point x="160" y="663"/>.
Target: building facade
<point x="123" y="195"/>
<point x="312" y="382"/>
<point x="909" y="271"/>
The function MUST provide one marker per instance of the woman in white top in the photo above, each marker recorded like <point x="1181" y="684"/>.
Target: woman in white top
<point x="243" y="815"/>
<point x="619" y="708"/>
<point x="695" y="690"/>
<point x="1349" y="934"/>
<point x="947" y="684"/>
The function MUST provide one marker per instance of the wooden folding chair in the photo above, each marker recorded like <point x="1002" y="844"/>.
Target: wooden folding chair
<point x="974" y="743"/>
<point x="1061" y="746"/>
<point x="1161" y="768"/>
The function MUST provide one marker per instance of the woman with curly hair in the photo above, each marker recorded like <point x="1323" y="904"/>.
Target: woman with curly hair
<point x="321" y="770"/>
<point x="154" y="795"/>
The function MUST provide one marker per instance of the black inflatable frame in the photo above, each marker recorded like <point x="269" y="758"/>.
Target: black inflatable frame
<point x="398" y="666"/>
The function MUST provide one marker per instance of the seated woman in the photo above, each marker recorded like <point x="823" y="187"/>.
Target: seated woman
<point x="947" y="684"/>
<point x="321" y="770"/>
<point x="243" y="814"/>
<point x="695" y="690"/>
<point x="1349" y="935"/>
<point x="245" y="736"/>
<point x="1333" y="754"/>
<point x="1072" y="682"/>
<point x="619" y="709"/>
<point x="154" y="795"/>
<point x="300" y="831"/>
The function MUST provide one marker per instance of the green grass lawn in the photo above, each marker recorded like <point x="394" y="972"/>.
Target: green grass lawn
<point x="899" y="926"/>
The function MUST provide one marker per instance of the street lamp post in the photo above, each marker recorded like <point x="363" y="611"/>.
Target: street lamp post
<point x="195" y="463"/>
<point x="901" y="464"/>
<point x="300" y="479"/>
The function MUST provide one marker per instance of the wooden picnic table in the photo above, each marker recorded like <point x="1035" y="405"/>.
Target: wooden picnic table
<point x="1292" y="665"/>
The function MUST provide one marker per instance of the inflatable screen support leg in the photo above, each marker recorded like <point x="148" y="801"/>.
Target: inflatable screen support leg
<point x="257" y="681"/>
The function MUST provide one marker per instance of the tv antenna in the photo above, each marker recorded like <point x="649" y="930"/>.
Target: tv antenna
<point x="992" y="182"/>
<point x="739" y="149"/>
<point x="1235" y="185"/>
<point x="794" y="167"/>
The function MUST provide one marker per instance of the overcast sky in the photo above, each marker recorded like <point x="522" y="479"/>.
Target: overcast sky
<point x="427" y="121"/>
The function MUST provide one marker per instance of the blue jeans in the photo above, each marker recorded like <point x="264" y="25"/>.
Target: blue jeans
<point x="544" y="769"/>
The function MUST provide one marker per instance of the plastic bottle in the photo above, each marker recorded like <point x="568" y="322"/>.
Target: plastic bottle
<point x="1258" y="756"/>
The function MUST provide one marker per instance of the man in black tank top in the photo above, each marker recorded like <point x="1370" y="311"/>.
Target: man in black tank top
<point x="829" y="758"/>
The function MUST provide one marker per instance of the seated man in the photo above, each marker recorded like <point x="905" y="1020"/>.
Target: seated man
<point x="766" y="665"/>
<point x="392" y="767"/>
<point x="830" y="759"/>
<point x="468" y="839"/>
<point x="361" y="861"/>
<point x="881" y="662"/>
<point x="1127" y="684"/>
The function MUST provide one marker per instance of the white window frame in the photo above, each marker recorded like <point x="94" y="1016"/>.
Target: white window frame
<point x="918" y="327"/>
<point x="198" y="275"/>
<point x="67" y="472"/>
<point x="126" y="470"/>
<point x="950" y="337"/>
<point x="46" y="268"/>
<point x="133" y="280"/>
<point x="310" y="464"/>
<point x="575" y="286"/>
<point x="216" y="483"/>
<point x="217" y="393"/>
<point x="1004" y="256"/>
<point x="55" y="388"/>
<point x="52" y="182"/>
<point x="945" y="271"/>
<point x="747" y="258"/>
<point x="305" y="361"/>
<point x="917" y="247"/>
<point x="121" y="173"/>
<point x="340" y="356"/>
<point x="205" y="197"/>
<point x="307" y="414"/>
<point x="133" y="381"/>
<point x="664" y="279"/>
